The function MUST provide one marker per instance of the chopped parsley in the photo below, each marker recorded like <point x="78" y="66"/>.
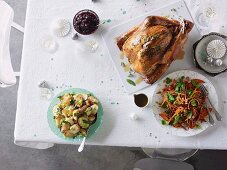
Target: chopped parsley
<point x="189" y="92"/>
<point x="176" y="119"/>
<point x="170" y="97"/>
<point x="194" y="103"/>
<point x="131" y="82"/>
<point x="164" y="122"/>
<point x="195" y="84"/>
<point x="180" y="85"/>
<point x="198" y="126"/>
<point x="168" y="80"/>
<point x="189" y="114"/>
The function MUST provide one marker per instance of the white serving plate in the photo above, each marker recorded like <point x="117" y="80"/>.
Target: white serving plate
<point x="157" y="98"/>
<point x="173" y="10"/>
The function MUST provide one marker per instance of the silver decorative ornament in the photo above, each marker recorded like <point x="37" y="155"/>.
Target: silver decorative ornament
<point x="218" y="62"/>
<point x="42" y="84"/>
<point x="209" y="59"/>
<point x="216" y="49"/>
<point x="75" y="36"/>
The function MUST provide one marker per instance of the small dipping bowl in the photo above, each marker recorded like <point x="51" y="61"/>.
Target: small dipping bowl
<point x="141" y="100"/>
<point x="86" y="22"/>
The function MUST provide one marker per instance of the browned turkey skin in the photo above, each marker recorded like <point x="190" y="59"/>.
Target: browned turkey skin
<point x="153" y="45"/>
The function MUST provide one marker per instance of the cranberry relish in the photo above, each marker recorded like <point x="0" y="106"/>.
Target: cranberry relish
<point x="86" y="22"/>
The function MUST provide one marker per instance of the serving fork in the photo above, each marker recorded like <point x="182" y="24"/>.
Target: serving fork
<point x="208" y="102"/>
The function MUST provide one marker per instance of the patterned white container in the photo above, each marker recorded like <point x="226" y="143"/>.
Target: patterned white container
<point x="60" y="27"/>
<point x="216" y="49"/>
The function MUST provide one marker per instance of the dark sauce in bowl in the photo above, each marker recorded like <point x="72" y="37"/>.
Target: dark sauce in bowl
<point x="86" y="22"/>
<point x="141" y="100"/>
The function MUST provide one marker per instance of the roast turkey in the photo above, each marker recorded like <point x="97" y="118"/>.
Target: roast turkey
<point x="153" y="45"/>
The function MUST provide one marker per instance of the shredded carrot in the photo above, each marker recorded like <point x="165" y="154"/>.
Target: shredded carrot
<point x="185" y="103"/>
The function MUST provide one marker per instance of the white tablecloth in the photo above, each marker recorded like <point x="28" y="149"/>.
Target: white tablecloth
<point x="95" y="72"/>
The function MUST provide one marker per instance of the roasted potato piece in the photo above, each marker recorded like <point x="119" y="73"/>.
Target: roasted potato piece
<point x="77" y="97"/>
<point x="65" y="127"/>
<point x="88" y="111"/>
<point x="76" y="112"/>
<point x="88" y="103"/>
<point x="68" y="111"/>
<point x="91" y="118"/>
<point x="83" y="132"/>
<point x="69" y="120"/>
<point x="83" y="122"/>
<point x="66" y="100"/>
<point x="75" y="128"/>
<point x="58" y="119"/>
<point x="94" y="108"/>
<point x="93" y="100"/>
<point x="69" y="134"/>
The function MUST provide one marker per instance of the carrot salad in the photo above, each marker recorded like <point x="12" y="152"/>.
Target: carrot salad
<point x="184" y="103"/>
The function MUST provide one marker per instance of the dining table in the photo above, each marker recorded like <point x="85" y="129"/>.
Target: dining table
<point x="68" y="66"/>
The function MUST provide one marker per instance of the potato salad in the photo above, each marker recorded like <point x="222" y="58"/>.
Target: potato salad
<point x="75" y="114"/>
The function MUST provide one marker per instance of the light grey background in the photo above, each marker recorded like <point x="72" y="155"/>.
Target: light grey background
<point x="62" y="157"/>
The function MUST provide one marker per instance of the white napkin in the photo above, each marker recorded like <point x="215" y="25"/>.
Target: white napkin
<point x="7" y="76"/>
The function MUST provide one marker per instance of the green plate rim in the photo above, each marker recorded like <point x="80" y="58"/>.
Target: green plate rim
<point x="94" y="128"/>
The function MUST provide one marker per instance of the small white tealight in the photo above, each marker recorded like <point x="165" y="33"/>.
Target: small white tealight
<point x="134" y="116"/>
<point x="49" y="45"/>
<point x="60" y="27"/>
<point x="92" y="45"/>
<point x="45" y="93"/>
<point x="87" y="46"/>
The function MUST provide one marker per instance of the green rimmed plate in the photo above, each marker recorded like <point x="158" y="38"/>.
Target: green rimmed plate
<point x="56" y="130"/>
